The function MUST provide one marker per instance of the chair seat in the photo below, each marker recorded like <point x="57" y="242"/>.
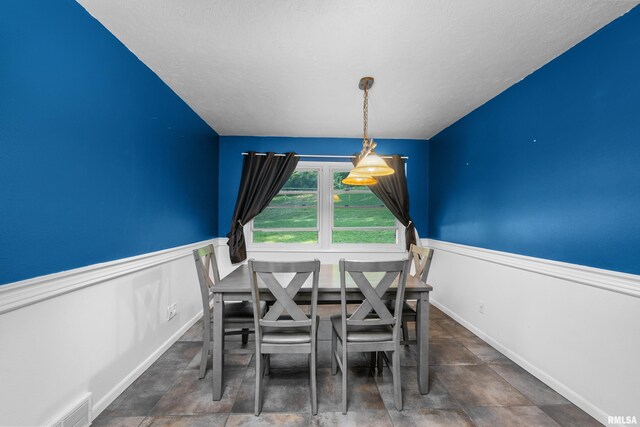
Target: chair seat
<point x="240" y="312"/>
<point x="362" y="333"/>
<point x="289" y="335"/>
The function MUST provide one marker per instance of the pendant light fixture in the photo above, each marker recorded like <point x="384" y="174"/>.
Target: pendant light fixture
<point x="356" y="178"/>
<point x="370" y="164"/>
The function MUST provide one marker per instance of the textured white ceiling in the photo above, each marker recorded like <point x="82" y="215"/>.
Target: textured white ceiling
<point x="291" y="67"/>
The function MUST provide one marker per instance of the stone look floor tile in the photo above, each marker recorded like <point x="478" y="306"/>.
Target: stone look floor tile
<point x="570" y="416"/>
<point x="482" y="350"/>
<point x="217" y="420"/>
<point x="230" y="361"/>
<point x="194" y="333"/>
<point x="436" y="313"/>
<point x="454" y="328"/>
<point x="448" y="351"/>
<point x="436" y="331"/>
<point x="281" y="420"/>
<point x="512" y="416"/>
<point x="179" y="355"/>
<point x="284" y="391"/>
<point x="352" y="419"/>
<point x="437" y="398"/>
<point x="468" y="376"/>
<point x="103" y="421"/>
<point x="141" y="396"/>
<point x="362" y="391"/>
<point x="190" y="395"/>
<point x="534" y="389"/>
<point x="408" y="357"/>
<point x="478" y="385"/>
<point x="430" y="418"/>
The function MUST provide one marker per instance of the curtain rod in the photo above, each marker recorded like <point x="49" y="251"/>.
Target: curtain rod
<point x="322" y="156"/>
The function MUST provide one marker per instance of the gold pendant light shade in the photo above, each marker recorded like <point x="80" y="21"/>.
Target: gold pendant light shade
<point x="373" y="165"/>
<point x="355" y="178"/>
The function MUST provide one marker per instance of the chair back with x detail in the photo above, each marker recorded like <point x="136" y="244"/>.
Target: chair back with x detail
<point x="284" y="328"/>
<point x="372" y="327"/>
<point x="203" y="258"/>
<point x="238" y="315"/>
<point x="373" y="311"/>
<point x="421" y="261"/>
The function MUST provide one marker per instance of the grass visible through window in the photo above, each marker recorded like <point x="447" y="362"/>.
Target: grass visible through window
<point x="296" y="207"/>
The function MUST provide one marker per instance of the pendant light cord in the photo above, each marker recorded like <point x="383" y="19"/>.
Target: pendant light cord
<point x="367" y="144"/>
<point x="365" y="112"/>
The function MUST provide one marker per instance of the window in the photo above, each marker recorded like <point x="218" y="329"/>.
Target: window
<point x="359" y="216"/>
<point x="315" y="210"/>
<point x="292" y="216"/>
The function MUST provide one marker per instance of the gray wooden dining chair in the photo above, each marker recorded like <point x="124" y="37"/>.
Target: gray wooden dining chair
<point x="238" y="316"/>
<point x="371" y="327"/>
<point x="284" y="328"/>
<point x="421" y="258"/>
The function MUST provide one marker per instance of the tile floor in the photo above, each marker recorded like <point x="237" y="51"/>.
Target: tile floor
<point x="471" y="384"/>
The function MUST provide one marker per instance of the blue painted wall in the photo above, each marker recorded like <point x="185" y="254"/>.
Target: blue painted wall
<point x="551" y="167"/>
<point x="232" y="147"/>
<point x="99" y="159"/>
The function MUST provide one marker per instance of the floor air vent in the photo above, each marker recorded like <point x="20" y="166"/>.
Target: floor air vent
<point x="78" y="415"/>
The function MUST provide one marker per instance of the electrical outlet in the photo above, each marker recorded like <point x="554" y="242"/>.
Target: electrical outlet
<point x="172" y="310"/>
<point x="481" y="307"/>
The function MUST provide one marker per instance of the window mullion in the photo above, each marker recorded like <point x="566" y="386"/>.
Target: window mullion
<point x="325" y="207"/>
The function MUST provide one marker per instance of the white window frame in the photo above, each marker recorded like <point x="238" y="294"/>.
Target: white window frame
<point x="325" y="220"/>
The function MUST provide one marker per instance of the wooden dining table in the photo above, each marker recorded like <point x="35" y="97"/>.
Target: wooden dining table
<point x="236" y="287"/>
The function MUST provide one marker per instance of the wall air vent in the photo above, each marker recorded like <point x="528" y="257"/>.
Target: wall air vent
<point x="78" y="415"/>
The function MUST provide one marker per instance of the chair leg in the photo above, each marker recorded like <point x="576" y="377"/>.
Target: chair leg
<point x="380" y="361"/>
<point x="405" y="333"/>
<point x="258" y="395"/>
<point x="312" y="371"/>
<point x="204" y="358"/>
<point x="267" y="364"/>
<point x="245" y="336"/>
<point x="206" y="344"/>
<point x="334" y="362"/>
<point x="397" y="384"/>
<point x="345" y="370"/>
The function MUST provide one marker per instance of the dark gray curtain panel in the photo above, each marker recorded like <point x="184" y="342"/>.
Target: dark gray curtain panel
<point x="392" y="190"/>
<point x="262" y="178"/>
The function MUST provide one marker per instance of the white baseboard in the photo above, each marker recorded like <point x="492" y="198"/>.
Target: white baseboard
<point x="103" y="403"/>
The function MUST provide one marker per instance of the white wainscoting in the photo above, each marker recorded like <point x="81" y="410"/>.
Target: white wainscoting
<point x="575" y="328"/>
<point x="93" y="329"/>
<point x="97" y="328"/>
